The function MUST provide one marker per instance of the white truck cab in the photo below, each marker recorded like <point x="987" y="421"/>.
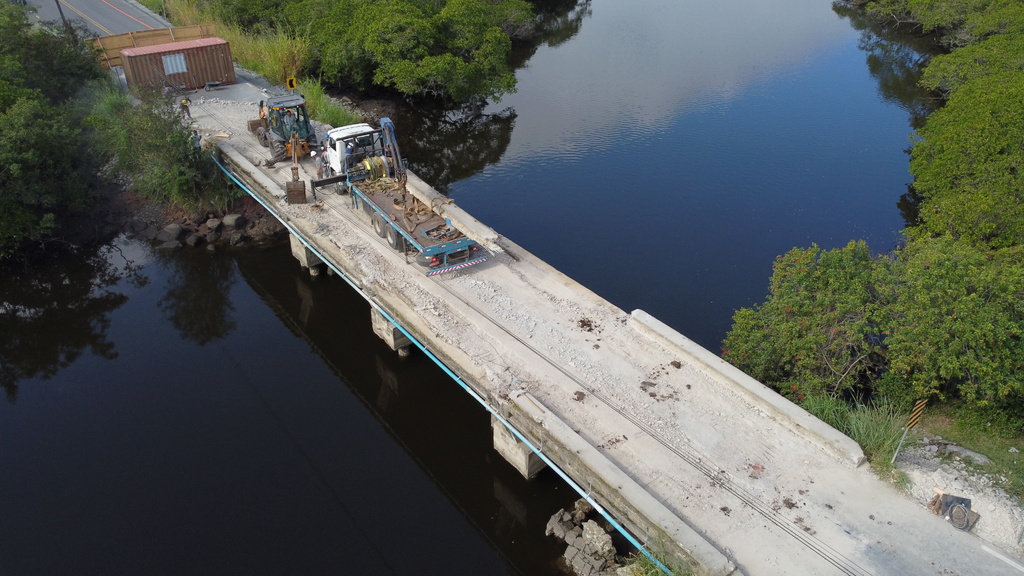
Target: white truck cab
<point x="349" y="145"/>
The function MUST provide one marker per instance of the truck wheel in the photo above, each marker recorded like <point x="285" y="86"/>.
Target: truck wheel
<point x="378" y="224"/>
<point x="261" y="137"/>
<point x="396" y="240"/>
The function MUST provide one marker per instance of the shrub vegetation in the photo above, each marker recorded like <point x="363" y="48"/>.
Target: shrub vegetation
<point x="454" y="50"/>
<point x="941" y="317"/>
<point x="148" y="145"/>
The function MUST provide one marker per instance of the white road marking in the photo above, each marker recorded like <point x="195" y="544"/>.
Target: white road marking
<point x="1003" y="558"/>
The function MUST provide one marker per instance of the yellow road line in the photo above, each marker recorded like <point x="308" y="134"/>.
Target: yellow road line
<point x="128" y="15"/>
<point x="90" y="20"/>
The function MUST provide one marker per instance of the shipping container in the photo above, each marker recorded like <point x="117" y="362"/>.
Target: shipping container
<point x="109" y="47"/>
<point x="190" y="64"/>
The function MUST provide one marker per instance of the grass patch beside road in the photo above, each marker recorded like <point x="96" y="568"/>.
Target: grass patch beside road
<point x="637" y="564"/>
<point x="324" y="108"/>
<point x="878" y="428"/>
<point x="965" y="429"/>
<point x="274" y="55"/>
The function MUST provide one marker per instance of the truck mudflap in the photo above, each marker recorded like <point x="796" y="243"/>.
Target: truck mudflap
<point x="458" y="266"/>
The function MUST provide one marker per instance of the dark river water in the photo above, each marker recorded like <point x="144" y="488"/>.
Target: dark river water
<point x="198" y="413"/>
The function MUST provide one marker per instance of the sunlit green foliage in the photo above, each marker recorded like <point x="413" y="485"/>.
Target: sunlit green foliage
<point x="996" y="17"/>
<point x="816" y="334"/>
<point x="458" y="49"/>
<point x="321" y="107"/>
<point x="958" y="22"/>
<point x="957" y="317"/>
<point x="969" y="164"/>
<point x="998" y="54"/>
<point x="944" y="316"/>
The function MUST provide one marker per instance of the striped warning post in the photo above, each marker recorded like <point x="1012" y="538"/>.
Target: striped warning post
<point x="915" y="417"/>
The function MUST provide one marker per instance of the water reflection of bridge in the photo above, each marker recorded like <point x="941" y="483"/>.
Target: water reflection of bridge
<point x="415" y="404"/>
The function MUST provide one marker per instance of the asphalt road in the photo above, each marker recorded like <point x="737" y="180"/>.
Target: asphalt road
<point x="101" y="17"/>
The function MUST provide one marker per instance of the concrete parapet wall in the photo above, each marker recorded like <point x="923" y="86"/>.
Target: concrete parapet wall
<point x="245" y="171"/>
<point x="796" y="418"/>
<point x="446" y="208"/>
<point x="628" y="503"/>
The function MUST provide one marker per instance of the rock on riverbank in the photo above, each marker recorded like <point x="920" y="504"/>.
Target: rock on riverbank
<point x="589" y="548"/>
<point x="247" y="223"/>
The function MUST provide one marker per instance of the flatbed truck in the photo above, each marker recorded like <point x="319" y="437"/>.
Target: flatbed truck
<point x="366" y="163"/>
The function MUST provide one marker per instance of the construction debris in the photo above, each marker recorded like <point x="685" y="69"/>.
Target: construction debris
<point x="955" y="509"/>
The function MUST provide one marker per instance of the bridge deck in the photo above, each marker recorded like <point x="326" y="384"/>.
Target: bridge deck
<point x="685" y="451"/>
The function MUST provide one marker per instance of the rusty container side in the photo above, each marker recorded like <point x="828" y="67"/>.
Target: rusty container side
<point x="189" y="63"/>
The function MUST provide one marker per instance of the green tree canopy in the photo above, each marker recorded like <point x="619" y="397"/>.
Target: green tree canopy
<point x="45" y="168"/>
<point x="148" y="144"/>
<point x="943" y="316"/>
<point x="39" y="179"/>
<point x="968" y="163"/>
<point x="457" y="50"/>
<point x="994" y="55"/>
<point x="251" y="14"/>
<point x="957" y="317"/>
<point x="816" y="334"/>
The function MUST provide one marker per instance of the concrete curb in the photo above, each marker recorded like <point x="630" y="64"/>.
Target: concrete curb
<point x="462" y="220"/>
<point x="792" y="416"/>
<point x="253" y="175"/>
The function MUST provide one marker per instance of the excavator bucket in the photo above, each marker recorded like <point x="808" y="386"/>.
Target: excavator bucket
<point x="295" y="192"/>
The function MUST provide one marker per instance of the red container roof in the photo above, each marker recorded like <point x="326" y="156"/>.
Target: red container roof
<point x="173" y="46"/>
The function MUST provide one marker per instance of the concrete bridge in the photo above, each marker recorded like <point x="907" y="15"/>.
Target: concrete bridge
<point x="687" y="455"/>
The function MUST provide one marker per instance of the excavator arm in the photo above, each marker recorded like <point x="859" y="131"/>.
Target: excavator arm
<point x="394" y="156"/>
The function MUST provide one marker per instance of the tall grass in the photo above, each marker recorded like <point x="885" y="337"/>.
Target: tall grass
<point x="877" y="427"/>
<point x="323" y="107"/>
<point x="273" y="54"/>
<point x="638" y="564"/>
<point x="830" y="410"/>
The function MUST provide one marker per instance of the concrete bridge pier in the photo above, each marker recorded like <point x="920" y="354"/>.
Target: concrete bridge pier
<point x="389" y="333"/>
<point x="514" y="451"/>
<point x="305" y="256"/>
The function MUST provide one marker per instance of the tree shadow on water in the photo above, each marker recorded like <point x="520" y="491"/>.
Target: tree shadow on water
<point x="52" y="312"/>
<point x="198" y="297"/>
<point x="896" y="56"/>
